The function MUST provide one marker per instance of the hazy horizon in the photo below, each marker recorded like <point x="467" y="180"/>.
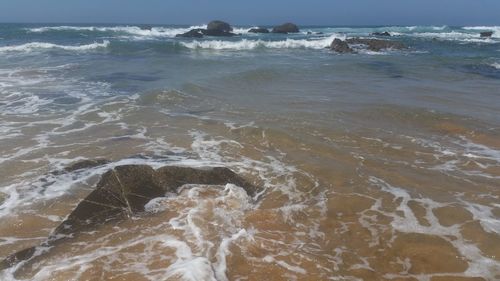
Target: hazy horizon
<point x="312" y="13"/>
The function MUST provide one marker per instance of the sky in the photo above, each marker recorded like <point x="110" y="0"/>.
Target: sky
<point x="254" y="12"/>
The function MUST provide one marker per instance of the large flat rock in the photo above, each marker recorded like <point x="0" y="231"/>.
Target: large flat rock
<point x="124" y="191"/>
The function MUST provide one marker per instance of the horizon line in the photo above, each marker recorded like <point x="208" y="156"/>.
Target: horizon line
<point x="245" y="25"/>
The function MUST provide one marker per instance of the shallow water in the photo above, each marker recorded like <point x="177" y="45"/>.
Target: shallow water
<point x="370" y="166"/>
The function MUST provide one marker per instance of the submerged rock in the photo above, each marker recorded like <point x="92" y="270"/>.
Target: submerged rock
<point x="146" y="27"/>
<point x="377" y="45"/>
<point x="124" y="191"/>
<point x="258" y="30"/>
<point x="486" y="34"/>
<point x="381" y="34"/>
<point x="340" y="46"/>
<point x="85" y="164"/>
<point x="80" y="165"/>
<point x="286" y="28"/>
<point x="193" y="33"/>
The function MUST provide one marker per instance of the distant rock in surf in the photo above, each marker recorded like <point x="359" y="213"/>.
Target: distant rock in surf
<point x="375" y="45"/>
<point x="259" y="30"/>
<point x="146" y="27"/>
<point x="486" y="34"/>
<point x="215" y="32"/>
<point x="219" y="26"/>
<point x="124" y="191"/>
<point x="286" y="28"/>
<point x="340" y="46"/>
<point x="381" y="34"/>
<point x="193" y="33"/>
<point x="214" y="28"/>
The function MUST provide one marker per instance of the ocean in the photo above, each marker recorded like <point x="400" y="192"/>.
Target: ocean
<point x="368" y="166"/>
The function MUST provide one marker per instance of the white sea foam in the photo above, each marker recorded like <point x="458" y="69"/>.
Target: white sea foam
<point x="494" y="29"/>
<point x="495" y="65"/>
<point x="36" y="46"/>
<point x="134" y="32"/>
<point x="155" y="31"/>
<point x="246" y="44"/>
<point x="406" y="222"/>
<point x="415" y="28"/>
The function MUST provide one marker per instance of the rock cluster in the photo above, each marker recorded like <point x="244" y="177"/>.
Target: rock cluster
<point x="376" y="45"/>
<point x="214" y="28"/>
<point x="224" y="29"/>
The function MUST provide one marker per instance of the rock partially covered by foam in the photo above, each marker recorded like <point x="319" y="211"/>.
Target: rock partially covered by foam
<point x="340" y="46"/>
<point x="85" y="164"/>
<point x="258" y="30"/>
<point x="286" y="28"/>
<point x="146" y="27"/>
<point x="387" y="34"/>
<point x="486" y="34"/>
<point x="124" y="191"/>
<point x="375" y="45"/>
<point x="193" y="33"/>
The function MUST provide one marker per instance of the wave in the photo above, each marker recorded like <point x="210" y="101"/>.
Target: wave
<point x="495" y="29"/>
<point x="130" y="30"/>
<point x="455" y="36"/>
<point x="247" y="44"/>
<point x="495" y="65"/>
<point x="33" y="46"/>
<point x="423" y="27"/>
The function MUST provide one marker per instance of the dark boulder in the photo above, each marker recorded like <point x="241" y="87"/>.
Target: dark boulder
<point x="124" y="191"/>
<point x="258" y="30"/>
<point x="146" y="27"/>
<point x="377" y="45"/>
<point x="219" y="26"/>
<point x="286" y="28"/>
<point x="193" y="33"/>
<point x="387" y="34"/>
<point x="340" y="46"/>
<point x="486" y="34"/>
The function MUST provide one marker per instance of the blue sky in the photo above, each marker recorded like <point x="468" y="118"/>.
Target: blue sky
<point x="305" y="12"/>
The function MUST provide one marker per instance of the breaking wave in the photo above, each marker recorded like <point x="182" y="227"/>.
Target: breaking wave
<point x="246" y="44"/>
<point x="136" y="31"/>
<point x="34" y="46"/>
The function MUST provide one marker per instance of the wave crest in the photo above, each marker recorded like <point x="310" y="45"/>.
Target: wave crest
<point x="246" y="44"/>
<point x="34" y="46"/>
